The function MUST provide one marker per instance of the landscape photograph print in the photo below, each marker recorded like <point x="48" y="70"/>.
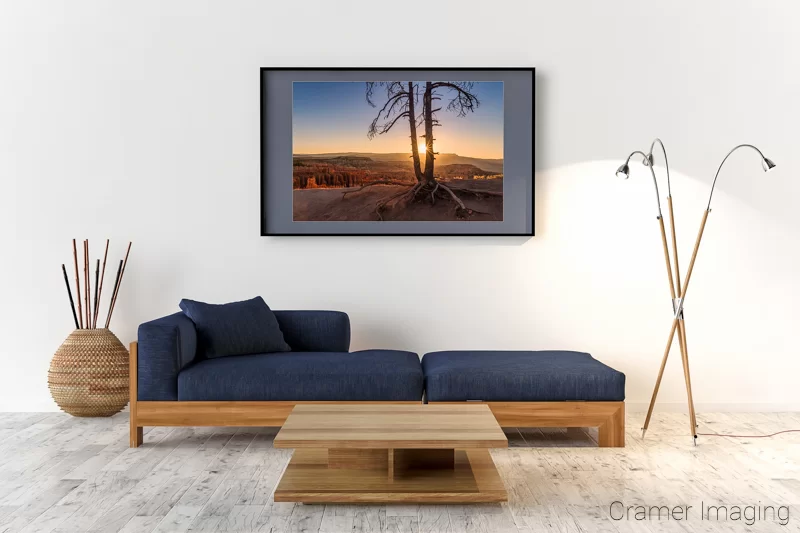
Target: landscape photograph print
<point x="397" y="151"/>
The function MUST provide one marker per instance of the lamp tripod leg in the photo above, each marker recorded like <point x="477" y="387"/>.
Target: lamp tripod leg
<point x="694" y="411"/>
<point x="660" y="375"/>
<point x="679" y="318"/>
<point x="687" y="377"/>
<point x="672" y="293"/>
<point x="685" y="363"/>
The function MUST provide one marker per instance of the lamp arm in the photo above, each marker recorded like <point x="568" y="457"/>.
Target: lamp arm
<point x="708" y="208"/>
<point x="666" y="162"/>
<point x="766" y="162"/>
<point x="652" y="173"/>
<point x="671" y="212"/>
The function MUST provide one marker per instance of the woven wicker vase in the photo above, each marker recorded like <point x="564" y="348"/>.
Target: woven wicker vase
<point x="88" y="375"/>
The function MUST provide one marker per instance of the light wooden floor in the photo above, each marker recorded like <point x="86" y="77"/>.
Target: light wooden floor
<point x="65" y="474"/>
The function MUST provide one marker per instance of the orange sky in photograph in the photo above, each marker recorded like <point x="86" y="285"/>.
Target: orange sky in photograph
<point x="333" y="117"/>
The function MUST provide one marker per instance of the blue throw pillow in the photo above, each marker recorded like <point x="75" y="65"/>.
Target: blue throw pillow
<point x="237" y="328"/>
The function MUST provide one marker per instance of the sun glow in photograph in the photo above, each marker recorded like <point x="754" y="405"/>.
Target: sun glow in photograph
<point x="397" y="151"/>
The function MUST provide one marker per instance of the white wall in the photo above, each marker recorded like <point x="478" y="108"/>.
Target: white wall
<point x="139" y="121"/>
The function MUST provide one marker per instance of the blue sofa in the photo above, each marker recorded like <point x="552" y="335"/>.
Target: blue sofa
<point x="173" y="384"/>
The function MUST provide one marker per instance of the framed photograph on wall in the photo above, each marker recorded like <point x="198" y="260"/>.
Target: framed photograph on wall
<point x="397" y="151"/>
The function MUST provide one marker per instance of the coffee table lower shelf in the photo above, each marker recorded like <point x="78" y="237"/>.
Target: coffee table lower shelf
<point x="346" y="475"/>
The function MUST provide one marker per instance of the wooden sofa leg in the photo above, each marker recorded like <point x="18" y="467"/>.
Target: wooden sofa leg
<point x="137" y="436"/>
<point x="611" y="433"/>
<point x="137" y="433"/>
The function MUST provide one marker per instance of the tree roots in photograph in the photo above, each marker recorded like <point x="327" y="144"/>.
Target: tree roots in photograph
<point x="426" y="192"/>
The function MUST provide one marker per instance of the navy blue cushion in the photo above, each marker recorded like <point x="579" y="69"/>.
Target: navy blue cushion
<point x="519" y="377"/>
<point x="315" y="331"/>
<point x="166" y="345"/>
<point x="370" y="375"/>
<point x="235" y="328"/>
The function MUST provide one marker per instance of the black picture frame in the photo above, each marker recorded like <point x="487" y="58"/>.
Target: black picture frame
<point x="267" y="232"/>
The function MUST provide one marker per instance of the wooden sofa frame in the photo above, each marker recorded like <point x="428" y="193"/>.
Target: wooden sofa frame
<point x="608" y="417"/>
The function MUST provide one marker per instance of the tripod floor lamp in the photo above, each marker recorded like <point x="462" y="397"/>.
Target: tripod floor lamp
<point x="678" y="290"/>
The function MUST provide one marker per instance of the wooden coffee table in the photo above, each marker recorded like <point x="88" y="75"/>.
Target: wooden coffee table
<point x="391" y="453"/>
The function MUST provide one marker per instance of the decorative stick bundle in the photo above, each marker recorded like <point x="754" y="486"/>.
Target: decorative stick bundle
<point x="91" y="306"/>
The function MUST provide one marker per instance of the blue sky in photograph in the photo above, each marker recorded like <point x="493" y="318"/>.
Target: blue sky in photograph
<point x="334" y="117"/>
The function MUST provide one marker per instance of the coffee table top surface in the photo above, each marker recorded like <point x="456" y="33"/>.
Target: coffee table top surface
<point x="391" y="426"/>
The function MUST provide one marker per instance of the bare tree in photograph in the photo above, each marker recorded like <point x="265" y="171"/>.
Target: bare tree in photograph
<point x="400" y="103"/>
<point x="400" y="100"/>
<point x="462" y="102"/>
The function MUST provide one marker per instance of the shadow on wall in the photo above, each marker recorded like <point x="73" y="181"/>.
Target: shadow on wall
<point x="590" y="127"/>
<point x="593" y="279"/>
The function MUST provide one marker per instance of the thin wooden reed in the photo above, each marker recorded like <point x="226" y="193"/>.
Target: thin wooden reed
<point x="96" y="284"/>
<point x="77" y="284"/>
<point x="100" y="290"/>
<point x="118" y="284"/>
<point x="86" y="289"/>
<point x="69" y="293"/>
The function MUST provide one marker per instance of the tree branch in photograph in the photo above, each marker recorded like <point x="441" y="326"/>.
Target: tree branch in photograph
<point x="464" y="100"/>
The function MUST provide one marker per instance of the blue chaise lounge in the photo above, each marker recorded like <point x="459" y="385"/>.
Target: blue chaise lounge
<point x="173" y="384"/>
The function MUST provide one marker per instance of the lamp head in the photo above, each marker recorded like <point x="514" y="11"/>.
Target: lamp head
<point x="623" y="171"/>
<point x="766" y="164"/>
